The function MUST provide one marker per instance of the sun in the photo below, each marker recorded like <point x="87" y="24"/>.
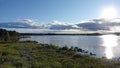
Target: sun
<point x="109" y="13"/>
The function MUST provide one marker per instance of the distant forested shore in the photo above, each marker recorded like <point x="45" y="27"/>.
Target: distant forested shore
<point x="88" y="34"/>
<point x="59" y="34"/>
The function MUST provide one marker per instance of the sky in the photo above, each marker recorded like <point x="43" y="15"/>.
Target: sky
<point x="71" y="11"/>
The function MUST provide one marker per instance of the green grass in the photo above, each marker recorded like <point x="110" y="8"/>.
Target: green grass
<point x="33" y="55"/>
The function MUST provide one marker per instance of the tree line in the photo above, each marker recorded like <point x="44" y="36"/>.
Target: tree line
<point x="6" y="35"/>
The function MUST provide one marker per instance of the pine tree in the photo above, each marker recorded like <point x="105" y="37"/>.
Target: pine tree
<point x="7" y="36"/>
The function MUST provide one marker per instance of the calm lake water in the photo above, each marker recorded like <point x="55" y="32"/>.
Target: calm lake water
<point x="105" y="45"/>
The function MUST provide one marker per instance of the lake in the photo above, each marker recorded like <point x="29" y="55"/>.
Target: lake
<point x="103" y="45"/>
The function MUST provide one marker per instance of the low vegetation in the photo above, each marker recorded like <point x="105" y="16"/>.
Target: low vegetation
<point x="30" y="54"/>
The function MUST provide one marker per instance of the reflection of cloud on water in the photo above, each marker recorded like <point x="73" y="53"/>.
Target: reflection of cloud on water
<point x="109" y="41"/>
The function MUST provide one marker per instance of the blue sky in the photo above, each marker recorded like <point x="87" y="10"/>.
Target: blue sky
<point x="72" y="11"/>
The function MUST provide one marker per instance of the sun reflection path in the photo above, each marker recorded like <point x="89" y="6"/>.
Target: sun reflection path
<point x="109" y="41"/>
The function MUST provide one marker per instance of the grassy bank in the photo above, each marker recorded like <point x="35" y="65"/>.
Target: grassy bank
<point x="32" y="55"/>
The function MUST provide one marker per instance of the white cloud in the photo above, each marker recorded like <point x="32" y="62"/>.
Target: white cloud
<point x="58" y="25"/>
<point x="87" y="21"/>
<point x="90" y="25"/>
<point x="28" y="21"/>
<point x="101" y="24"/>
<point x="115" y="28"/>
<point x="117" y="20"/>
<point x="31" y="22"/>
<point x="75" y="26"/>
<point x="100" y="21"/>
<point x="56" y="22"/>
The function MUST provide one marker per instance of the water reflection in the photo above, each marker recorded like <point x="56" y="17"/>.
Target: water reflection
<point x="109" y="41"/>
<point x="106" y="45"/>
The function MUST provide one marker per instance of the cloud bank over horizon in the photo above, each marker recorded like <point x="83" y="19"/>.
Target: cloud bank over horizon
<point x="87" y="25"/>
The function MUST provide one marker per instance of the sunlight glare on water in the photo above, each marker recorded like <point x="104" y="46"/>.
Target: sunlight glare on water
<point x="109" y="41"/>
